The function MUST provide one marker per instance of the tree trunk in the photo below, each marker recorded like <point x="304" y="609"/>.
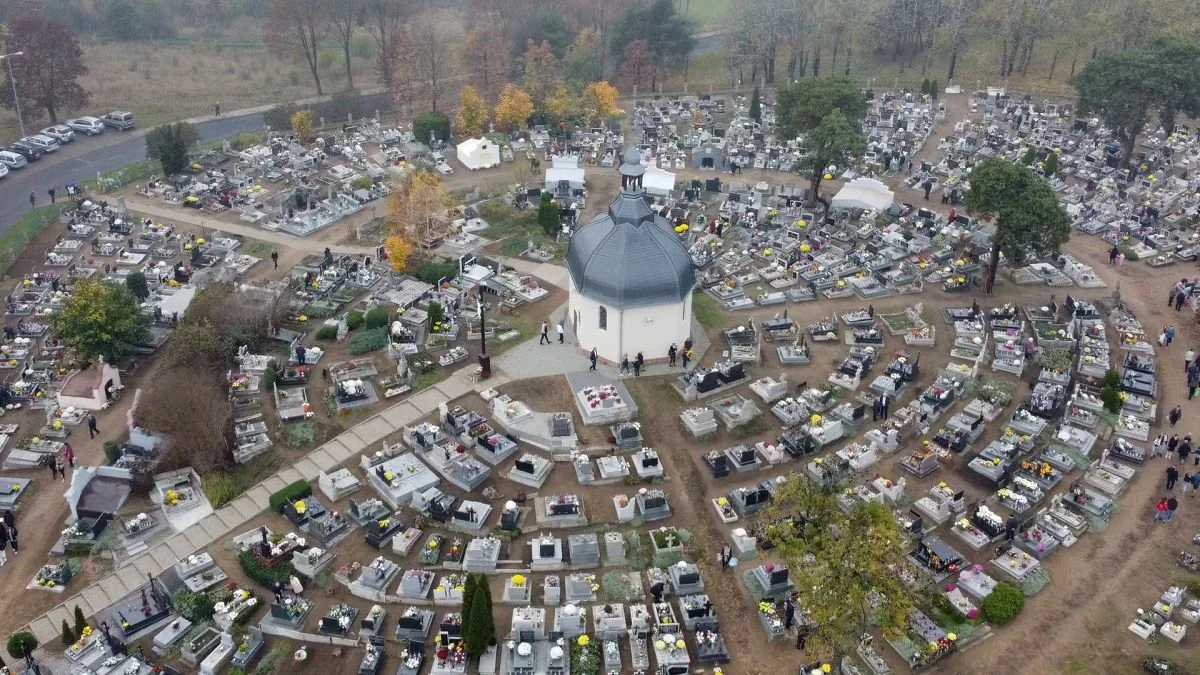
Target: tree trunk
<point x="815" y="185"/>
<point x="816" y="62"/>
<point x="316" y="74"/>
<point x="837" y="39"/>
<point x="770" y="65"/>
<point x="953" y="64"/>
<point x="791" y="65"/>
<point x="989" y="281"/>
<point x="1130" y="144"/>
<point x="349" y="72"/>
<point x="52" y="113"/>
<point x="1074" y="56"/>
<point x="1053" y="65"/>
<point x="849" y="56"/>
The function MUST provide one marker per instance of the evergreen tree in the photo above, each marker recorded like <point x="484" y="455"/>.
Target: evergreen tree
<point x="925" y="86"/>
<point x="468" y="598"/>
<point x="755" y="106"/>
<point x="68" y="636"/>
<point x="1050" y="166"/>
<point x="80" y="620"/>
<point x="548" y="216"/>
<point x="481" y="629"/>
<point x="933" y="89"/>
<point x="1029" y="156"/>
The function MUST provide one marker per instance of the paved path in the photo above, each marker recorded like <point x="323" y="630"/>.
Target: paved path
<point x="200" y="219"/>
<point x="236" y="516"/>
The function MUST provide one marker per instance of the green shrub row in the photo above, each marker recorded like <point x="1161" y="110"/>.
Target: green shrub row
<point x="290" y="493"/>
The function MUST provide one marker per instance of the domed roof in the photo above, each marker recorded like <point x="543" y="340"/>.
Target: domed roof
<point x="632" y="164"/>
<point x="629" y="257"/>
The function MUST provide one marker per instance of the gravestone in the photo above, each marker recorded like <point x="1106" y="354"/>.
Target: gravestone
<point x="585" y="473"/>
<point x="327" y="528"/>
<point x="528" y="624"/>
<point x="653" y="504"/>
<point x="580" y="588"/>
<point x="379" y="574"/>
<point x="414" y="624"/>
<point x="614" y="548"/>
<point x="564" y="510"/>
<point x="685" y="578"/>
<point x="482" y="555"/>
<point x="380" y="532"/>
<point x="415" y="584"/>
<point x="750" y="500"/>
<point x="609" y="619"/>
<point x="511" y="517"/>
<point x="312" y="561"/>
<point x="531" y="470"/>
<point x="570" y="621"/>
<point x="584" y="550"/>
<point x="517" y="590"/>
<point x="339" y="484"/>
<point x="470" y="516"/>
<point x="546" y="554"/>
<point x="551" y="590"/>
<point x="697" y="609"/>
<point x="647" y="464"/>
<point x="773" y="580"/>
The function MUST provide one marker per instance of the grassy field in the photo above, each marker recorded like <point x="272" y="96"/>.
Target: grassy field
<point x="14" y="240"/>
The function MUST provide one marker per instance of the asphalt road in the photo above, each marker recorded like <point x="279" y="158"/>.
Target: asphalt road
<point x="88" y="155"/>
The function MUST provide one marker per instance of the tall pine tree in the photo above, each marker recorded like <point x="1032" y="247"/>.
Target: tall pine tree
<point x="468" y="598"/>
<point x="755" y="106"/>
<point x="480" y="629"/>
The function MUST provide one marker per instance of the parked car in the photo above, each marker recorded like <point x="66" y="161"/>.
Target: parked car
<point x="121" y="121"/>
<point x="59" y="132"/>
<point x="30" y="152"/>
<point x="43" y="143"/>
<point x="3" y="169"/>
<point x="12" y="160"/>
<point x="86" y="125"/>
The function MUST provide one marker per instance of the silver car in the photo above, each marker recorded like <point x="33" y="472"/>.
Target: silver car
<point x="43" y="143"/>
<point x="59" y="132"/>
<point x="86" y="125"/>
<point x="12" y="160"/>
<point x="3" y="170"/>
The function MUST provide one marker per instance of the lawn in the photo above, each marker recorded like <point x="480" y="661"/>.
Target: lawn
<point x="516" y="229"/>
<point x="14" y="240"/>
<point x="706" y="311"/>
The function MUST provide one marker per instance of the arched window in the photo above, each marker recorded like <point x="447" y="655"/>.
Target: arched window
<point x="603" y="318"/>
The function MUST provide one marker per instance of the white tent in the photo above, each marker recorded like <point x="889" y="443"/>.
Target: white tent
<point x="564" y="168"/>
<point x="863" y="193"/>
<point x="478" y="153"/>
<point x="658" y="182"/>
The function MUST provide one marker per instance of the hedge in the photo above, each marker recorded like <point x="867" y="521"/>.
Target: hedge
<point x="268" y="576"/>
<point x="354" y="320"/>
<point x="376" y="318"/>
<point x="369" y="341"/>
<point x="328" y="333"/>
<point x="1003" y="604"/>
<point x="290" y="493"/>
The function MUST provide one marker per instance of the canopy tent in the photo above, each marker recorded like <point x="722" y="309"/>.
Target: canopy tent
<point x="564" y="168"/>
<point x="658" y="182"/>
<point x="478" y="153"/>
<point x="863" y="193"/>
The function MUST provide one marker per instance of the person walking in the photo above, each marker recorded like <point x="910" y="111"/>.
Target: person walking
<point x="1195" y="483"/>
<point x="275" y="258"/>
<point x="217" y="109"/>
<point x="1170" y="333"/>
<point x="1186" y="485"/>
<point x="1180" y="297"/>
<point x="688" y="355"/>
<point x="639" y="362"/>
<point x="1160" y="510"/>
<point x="1185" y="449"/>
<point x="672" y="352"/>
<point x="32" y="200"/>
<point x="592" y="357"/>
<point x="3" y="545"/>
<point x="875" y="410"/>
<point x="1112" y="254"/>
<point x="1172" y="476"/>
<point x="1160" y="445"/>
<point x="69" y="454"/>
<point x="1172" y="506"/>
<point x="53" y="194"/>
<point x="1188" y="357"/>
<point x="884" y="402"/>
<point x="1193" y="382"/>
<point x="62" y="467"/>
<point x="92" y="430"/>
<point x="53" y="468"/>
<point x="545" y="339"/>
<point x="1172" y="444"/>
<point x="1171" y="295"/>
<point x="12" y="538"/>
<point x="1175" y="414"/>
<point x="625" y="364"/>
<point x="562" y="332"/>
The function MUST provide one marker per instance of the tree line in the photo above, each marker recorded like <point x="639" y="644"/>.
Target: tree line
<point x="774" y="40"/>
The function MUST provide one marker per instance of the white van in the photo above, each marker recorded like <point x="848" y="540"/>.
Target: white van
<point x="12" y="160"/>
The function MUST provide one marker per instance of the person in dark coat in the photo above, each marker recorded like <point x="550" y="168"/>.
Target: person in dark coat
<point x="592" y="357"/>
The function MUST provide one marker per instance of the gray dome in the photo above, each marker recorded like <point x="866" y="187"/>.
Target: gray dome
<point x="630" y="258"/>
<point x="632" y="164"/>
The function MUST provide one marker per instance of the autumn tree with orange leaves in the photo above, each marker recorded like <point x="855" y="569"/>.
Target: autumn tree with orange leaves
<point x="472" y="113"/>
<point x="514" y="108"/>
<point x="598" y="102"/>
<point x="541" y="73"/>
<point x="417" y="210"/>
<point x="484" y="60"/>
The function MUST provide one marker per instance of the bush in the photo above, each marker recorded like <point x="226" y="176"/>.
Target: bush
<point x="269" y="375"/>
<point x="369" y="341"/>
<point x="112" y="451"/>
<point x="194" y="607"/>
<point x="1111" y="397"/>
<point x="268" y="576"/>
<point x="1004" y="604"/>
<point x="354" y="320"/>
<point x="435" y="313"/>
<point x="376" y="318"/>
<point x="327" y="333"/>
<point x="290" y="493"/>
<point x="431" y="272"/>
<point x="68" y="635"/>
<point x="1130" y="255"/>
<point x="435" y="122"/>
<point x="1112" y="379"/>
<point x="21" y="644"/>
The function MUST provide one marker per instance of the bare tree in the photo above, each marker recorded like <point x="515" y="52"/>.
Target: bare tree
<point x="960" y="16"/>
<point x="297" y="28"/>
<point x="384" y="20"/>
<point x="191" y="407"/>
<point x="422" y="68"/>
<point x="344" y="16"/>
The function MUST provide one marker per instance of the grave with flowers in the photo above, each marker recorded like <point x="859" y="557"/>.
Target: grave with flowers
<point x="937" y="558"/>
<point x="670" y="651"/>
<point x="570" y="621"/>
<point x="53" y="576"/>
<point x="710" y="645"/>
<point x="248" y="647"/>
<point x="338" y="620"/>
<point x="415" y="584"/>
<point x="312" y="561"/>
<point x="199" y="572"/>
<point x="236" y="610"/>
<point x="378" y="575"/>
<point x="414" y="624"/>
<point x="381" y="531"/>
<point x="770" y="580"/>
<point x="450" y="655"/>
<point x="924" y="643"/>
